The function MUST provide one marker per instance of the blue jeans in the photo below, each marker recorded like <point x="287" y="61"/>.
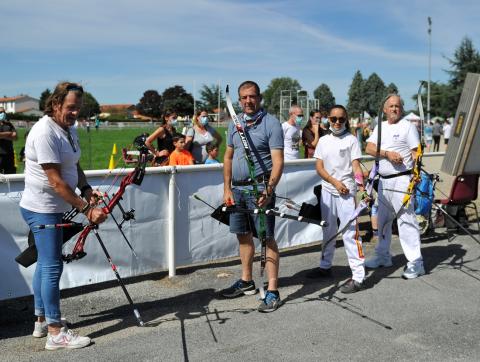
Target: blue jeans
<point x="46" y="280"/>
<point x="241" y="223"/>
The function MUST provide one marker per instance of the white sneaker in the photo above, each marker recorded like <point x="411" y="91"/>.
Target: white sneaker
<point x="378" y="260"/>
<point x="413" y="270"/>
<point x="40" y="329"/>
<point x="67" y="338"/>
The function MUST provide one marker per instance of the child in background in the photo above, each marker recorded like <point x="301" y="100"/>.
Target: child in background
<point x="180" y="156"/>
<point x="212" y="150"/>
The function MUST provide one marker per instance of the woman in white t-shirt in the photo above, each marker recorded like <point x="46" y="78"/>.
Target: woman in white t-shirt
<point x="338" y="165"/>
<point x="52" y="173"/>
<point x="200" y="135"/>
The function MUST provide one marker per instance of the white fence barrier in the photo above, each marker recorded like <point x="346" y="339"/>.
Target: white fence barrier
<point x="171" y="229"/>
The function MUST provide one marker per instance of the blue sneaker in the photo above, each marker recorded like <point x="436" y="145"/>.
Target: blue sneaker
<point x="239" y="288"/>
<point x="271" y="302"/>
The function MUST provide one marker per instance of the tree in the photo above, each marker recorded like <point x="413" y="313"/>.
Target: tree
<point x="271" y="96"/>
<point x="325" y="96"/>
<point x="43" y="98"/>
<point x="356" y="102"/>
<point x="209" y="98"/>
<point x="177" y="99"/>
<point x="374" y="91"/>
<point x="442" y="102"/>
<point x="465" y="59"/>
<point x="151" y="104"/>
<point x="391" y="89"/>
<point x="90" y="106"/>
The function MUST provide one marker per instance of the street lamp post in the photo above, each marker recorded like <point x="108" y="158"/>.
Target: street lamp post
<point x="429" y="65"/>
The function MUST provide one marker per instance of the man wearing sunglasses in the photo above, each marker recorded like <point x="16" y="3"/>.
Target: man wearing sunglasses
<point x="292" y="133"/>
<point x="398" y="147"/>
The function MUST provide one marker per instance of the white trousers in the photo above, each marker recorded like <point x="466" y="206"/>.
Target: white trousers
<point x="390" y="200"/>
<point x="341" y="207"/>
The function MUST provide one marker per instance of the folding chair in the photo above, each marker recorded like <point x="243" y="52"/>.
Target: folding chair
<point x="464" y="192"/>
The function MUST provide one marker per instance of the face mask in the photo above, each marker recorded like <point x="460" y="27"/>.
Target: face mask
<point x="338" y="131"/>
<point x="253" y="116"/>
<point x="204" y="120"/>
<point x="173" y="122"/>
<point x="3" y="116"/>
<point x="325" y="121"/>
<point x="298" y="120"/>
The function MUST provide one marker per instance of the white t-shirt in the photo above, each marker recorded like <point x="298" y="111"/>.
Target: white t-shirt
<point x="337" y="154"/>
<point x="47" y="142"/>
<point x="401" y="137"/>
<point x="291" y="138"/>
<point x="447" y="131"/>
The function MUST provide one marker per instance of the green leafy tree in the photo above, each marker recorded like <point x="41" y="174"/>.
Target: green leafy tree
<point x="151" y="104"/>
<point x="209" y="98"/>
<point x="465" y="59"/>
<point x="325" y="96"/>
<point x="374" y="91"/>
<point x="356" y="103"/>
<point x="43" y="98"/>
<point x="391" y="89"/>
<point x="90" y="106"/>
<point x="271" y="95"/>
<point x="177" y="99"/>
<point x="442" y="102"/>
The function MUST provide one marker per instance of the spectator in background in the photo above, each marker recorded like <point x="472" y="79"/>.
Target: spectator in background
<point x="447" y="131"/>
<point x="292" y="133"/>
<point x="212" y="150"/>
<point x="312" y="133"/>
<point x="325" y="125"/>
<point x="164" y="136"/>
<point x="437" y="133"/>
<point x="199" y="135"/>
<point x="428" y="135"/>
<point x="180" y="156"/>
<point x="8" y="134"/>
<point x="97" y="122"/>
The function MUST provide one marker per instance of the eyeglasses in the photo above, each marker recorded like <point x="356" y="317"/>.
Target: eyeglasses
<point x="337" y="119"/>
<point x="75" y="88"/>
<point x="70" y="140"/>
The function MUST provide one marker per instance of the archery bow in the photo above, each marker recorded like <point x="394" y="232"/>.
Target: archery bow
<point x="135" y="177"/>
<point x="417" y="166"/>
<point x="252" y="177"/>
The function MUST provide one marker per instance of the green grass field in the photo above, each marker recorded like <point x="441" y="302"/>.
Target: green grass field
<point x="97" y="146"/>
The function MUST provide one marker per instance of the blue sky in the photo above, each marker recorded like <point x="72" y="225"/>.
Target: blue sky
<point x="118" y="49"/>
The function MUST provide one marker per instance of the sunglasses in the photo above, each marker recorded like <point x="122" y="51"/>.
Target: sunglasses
<point x="75" y="88"/>
<point x="337" y="119"/>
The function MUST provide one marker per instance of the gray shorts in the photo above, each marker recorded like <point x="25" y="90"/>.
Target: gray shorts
<point x="244" y="223"/>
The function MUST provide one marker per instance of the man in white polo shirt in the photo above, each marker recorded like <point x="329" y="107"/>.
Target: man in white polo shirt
<point x="398" y="148"/>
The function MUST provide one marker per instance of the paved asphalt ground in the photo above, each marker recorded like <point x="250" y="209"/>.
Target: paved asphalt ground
<point x="433" y="318"/>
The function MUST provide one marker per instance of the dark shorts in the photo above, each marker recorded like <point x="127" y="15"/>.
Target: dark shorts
<point x="446" y="140"/>
<point x="243" y="223"/>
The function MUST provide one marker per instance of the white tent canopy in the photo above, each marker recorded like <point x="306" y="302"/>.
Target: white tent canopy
<point x="412" y="117"/>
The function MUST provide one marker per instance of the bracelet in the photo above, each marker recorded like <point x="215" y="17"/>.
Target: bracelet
<point x="83" y="189"/>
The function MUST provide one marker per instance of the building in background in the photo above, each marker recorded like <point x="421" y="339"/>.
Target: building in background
<point x="21" y="104"/>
